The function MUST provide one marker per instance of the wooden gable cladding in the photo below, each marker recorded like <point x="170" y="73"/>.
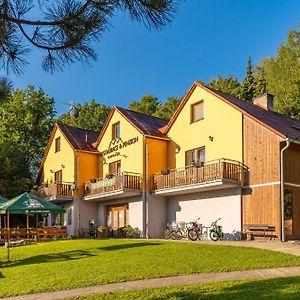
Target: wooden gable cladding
<point x="291" y="164"/>
<point x="261" y="153"/>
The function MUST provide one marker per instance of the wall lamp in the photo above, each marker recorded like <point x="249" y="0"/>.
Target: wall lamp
<point x="211" y="138"/>
<point x="51" y="171"/>
<point x="63" y="166"/>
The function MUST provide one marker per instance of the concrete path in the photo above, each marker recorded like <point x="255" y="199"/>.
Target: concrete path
<point x="161" y="282"/>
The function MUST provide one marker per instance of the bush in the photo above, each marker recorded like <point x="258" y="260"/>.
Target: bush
<point x="132" y="232"/>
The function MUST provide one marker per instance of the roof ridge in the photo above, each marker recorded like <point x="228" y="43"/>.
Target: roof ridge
<point x="137" y="112"/>
<point x="76" y="127"/>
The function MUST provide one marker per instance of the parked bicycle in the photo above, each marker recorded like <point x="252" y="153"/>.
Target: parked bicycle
<point x="195" y="230"/>
<point x="216" y="231"/>
<point x="170" y="232"/>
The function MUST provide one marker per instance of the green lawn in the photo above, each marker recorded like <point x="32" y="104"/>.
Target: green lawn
<point x="77" y="263"/>
<point x="275" y="289"/>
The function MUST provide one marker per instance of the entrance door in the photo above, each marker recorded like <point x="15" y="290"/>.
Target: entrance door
<point x="117" y="218"/>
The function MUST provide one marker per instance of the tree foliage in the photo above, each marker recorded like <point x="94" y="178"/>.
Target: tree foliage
<point x="150" y="105"/>
<point x="229" y="85"/>
<point x="92" y="115"/>
<point x="282" y="74"/>
<point x="67" y="29"/>
<point x="248" y="88"/>
<point x="26" y="121"/>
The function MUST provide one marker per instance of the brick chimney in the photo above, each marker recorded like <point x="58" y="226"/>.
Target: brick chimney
<point x="265" y="101"/>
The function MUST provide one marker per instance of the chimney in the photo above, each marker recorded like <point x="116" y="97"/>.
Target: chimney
<point x="265" y="101"/>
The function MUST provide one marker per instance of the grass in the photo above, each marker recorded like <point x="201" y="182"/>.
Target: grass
<point x="77" y="263"/>
<point x="275" y="289"/>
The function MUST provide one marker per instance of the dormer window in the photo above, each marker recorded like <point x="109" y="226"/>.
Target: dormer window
<point x="116" y="131"/>
<point x="197" y="112"/>
<point x="57" y="144"/>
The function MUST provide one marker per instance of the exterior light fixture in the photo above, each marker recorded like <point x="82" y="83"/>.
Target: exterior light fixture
<point x="51" y="171"/>
<point x="211" y="138"/>
<point x="63" y="166"/>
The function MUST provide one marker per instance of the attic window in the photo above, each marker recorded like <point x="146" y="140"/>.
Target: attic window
<point x="116" y="131"/>
<point x="197" y="112"/>
<point x="57" y="144"/>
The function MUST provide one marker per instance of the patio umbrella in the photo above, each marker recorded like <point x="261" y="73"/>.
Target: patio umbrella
<point x="2" y="199"/>
<point x="26" y="203"/>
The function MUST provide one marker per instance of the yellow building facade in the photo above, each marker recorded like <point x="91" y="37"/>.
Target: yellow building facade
<point x="145" y="172"/>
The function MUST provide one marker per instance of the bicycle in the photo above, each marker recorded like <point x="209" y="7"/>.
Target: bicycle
<point x="195" y="231"/>
<point x="216" y="231"/>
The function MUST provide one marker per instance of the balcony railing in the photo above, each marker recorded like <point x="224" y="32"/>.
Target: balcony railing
<point x="57" y="189"/>
<point x="122" y="181"/>
<point x="222" y="169"/>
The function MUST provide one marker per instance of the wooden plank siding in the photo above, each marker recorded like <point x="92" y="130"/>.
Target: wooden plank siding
<point x="292" y="175"/>
<point x="261" y="204"/>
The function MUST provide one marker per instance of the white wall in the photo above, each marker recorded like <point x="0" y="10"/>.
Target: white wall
<point x="209" y="206"/>
<point x="157" y="216"/>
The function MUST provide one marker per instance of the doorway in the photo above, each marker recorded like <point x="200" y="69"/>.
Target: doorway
<point x="117" y="218"/>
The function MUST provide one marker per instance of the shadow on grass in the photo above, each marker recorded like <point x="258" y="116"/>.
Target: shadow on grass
<point x="127" y="246"/>
<point x="46" y="258"/>
<point x="1" y="275"/>
<point x="278" y="288"/>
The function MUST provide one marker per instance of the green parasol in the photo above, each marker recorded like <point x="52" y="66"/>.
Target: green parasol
<point x="28" y="203"/>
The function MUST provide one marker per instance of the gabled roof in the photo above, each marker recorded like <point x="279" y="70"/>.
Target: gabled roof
<point x="78" y="138"/>
<point x="144" y="123"/>
<point x="284" y="126"/>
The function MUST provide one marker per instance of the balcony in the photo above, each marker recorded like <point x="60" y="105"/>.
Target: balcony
<point x="118" y="186"/>
<point x="57" y="191"/>
<point x="218" y="174"/>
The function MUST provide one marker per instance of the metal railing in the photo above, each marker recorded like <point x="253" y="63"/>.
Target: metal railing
<point x="56" y="189"/>
<point x="124" y="180"/>
<point x="202" y="173"/>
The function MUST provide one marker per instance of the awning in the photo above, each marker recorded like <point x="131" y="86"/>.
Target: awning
<point x="28" y="203"/>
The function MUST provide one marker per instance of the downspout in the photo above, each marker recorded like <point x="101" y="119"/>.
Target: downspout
<point x="282" y="188"/>
<point x="145" y="196"/>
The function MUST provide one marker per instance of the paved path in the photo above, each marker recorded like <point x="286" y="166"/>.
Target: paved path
<point x="161" y="282"/>
<point x="291" y="248"/>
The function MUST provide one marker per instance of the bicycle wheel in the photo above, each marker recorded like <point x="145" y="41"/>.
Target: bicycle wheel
<point x="179" y="234"/>
<point x="167" y="234"/>
<point x="192" y="235"/>
<point x="214" y="236"/>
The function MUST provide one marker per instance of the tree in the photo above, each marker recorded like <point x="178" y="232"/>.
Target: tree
<point x="248" y="88"/>
<point x="26" y="121"/>
<point x="260" y="82"/>
<point x="148" y="104"/>
<point x="67" y="28"/>
<point x="282" y="74"/>
<point x="92" y="115"/>
<point x="6" y="88"/>
<point x="15" y="175"/>
<point x="167" y="109"/>
<point x="229" y="85"/>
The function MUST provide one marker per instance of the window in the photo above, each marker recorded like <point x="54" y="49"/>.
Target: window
<point x="58" y="176"/>
<point x="116" y="131"/>
<point x="115" y="168"/>
<point x="196" y="112"/>
<point x="195" y="157"/>
<point x="57" y="144"/>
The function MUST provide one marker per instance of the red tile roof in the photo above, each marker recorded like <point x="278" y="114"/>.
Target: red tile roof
<point x="147" y="124"/>
<point x="79" y="138"/>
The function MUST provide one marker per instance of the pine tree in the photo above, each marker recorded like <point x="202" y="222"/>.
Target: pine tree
<point x="248" y="88"/>
<point x="260" y="82"/>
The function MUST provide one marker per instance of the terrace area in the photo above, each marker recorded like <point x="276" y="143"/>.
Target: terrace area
<point x="125" y="184"/>
<point x="217" y="174"/>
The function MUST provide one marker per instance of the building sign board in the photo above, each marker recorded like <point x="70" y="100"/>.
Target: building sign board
<point x="116" y="145"/>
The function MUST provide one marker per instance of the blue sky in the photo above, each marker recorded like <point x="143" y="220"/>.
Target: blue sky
<point x="206" y="39"/>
